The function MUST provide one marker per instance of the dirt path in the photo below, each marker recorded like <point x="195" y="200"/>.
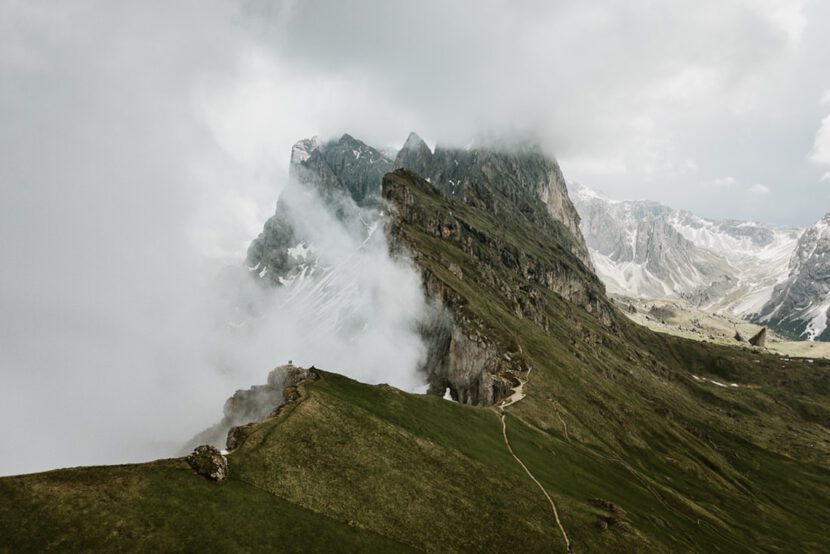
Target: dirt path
<point x="518" y="394"/>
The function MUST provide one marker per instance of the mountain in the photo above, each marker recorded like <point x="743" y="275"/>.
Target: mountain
<point x="574" y="429"/>
<point x="801" y="303"/>
<point x="521" y="174"/>
<point x="648" y="250"/>
<point x="346" y="175"/>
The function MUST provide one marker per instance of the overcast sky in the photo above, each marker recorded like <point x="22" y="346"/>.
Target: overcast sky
<point x="140" y="142"/>
<point x="713" y="106"/>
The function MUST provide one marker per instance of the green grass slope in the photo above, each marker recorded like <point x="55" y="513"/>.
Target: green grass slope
<point x="163" y="506"/>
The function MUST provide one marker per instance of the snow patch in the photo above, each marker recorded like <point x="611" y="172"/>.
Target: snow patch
<point x="716" y="383"/>
<point x="818" y="321"/>
<point x="299" y="252"/>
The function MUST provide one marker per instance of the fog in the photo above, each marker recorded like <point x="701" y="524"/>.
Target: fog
<point x="143" y="146"/>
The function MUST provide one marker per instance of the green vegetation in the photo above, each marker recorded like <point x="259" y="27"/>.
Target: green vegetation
<point x="163" y="506"/>
<point x="638" y="454"/>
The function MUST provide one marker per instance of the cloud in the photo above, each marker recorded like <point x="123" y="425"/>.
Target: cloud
<point x="821" y="145"/>
<point x="826" y="176"/>
<point x="759" y="189"/>
<point x="723" y="182"/>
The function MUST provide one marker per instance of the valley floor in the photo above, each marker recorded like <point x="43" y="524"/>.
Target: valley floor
<point x="676" y="317"/>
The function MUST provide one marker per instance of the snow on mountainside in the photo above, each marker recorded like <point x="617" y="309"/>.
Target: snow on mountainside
<point x="800" y="304"/>
<point x="649" y="250"/>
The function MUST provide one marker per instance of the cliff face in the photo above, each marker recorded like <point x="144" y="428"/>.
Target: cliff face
<point x="522" y="176"/>
<point x="476" y="362"/>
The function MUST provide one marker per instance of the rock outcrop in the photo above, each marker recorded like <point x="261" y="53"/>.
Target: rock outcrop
<point x="253" y="404"/>
<point x="495" y="175"/>
<point x="461" y="358"/>
<point x="208" y="461"/>
<point x="759" y="339"/>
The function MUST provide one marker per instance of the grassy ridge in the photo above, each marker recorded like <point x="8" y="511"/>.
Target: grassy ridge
<point x="162" y="506"/>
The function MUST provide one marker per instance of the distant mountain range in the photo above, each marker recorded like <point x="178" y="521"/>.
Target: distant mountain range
<point x="763" y="273"/>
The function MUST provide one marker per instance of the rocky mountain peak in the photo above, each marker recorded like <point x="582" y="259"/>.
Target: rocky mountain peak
<point x="490" y="174"/>
<point x="415" y="155"/>
<point x="415" y="142"/>
<point x="302" y="149"/>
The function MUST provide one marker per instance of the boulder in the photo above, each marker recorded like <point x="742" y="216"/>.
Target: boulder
<point x="207" y="461"/>
<point x="236" y="436"/>
<point x="760" y="338"/>
<point x="739" y="337"/>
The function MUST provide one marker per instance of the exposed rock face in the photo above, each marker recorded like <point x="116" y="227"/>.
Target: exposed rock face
<point x="415" y="156"/>
<point x="493" y="176"/>
<point x="800" y="305"/>
<point x="254" y="404"/>
<point x="460" y="357"/>
<point x="464" y="356"/>
<point x="347" y="165"/>
<point x="759" y="339"/>
<point x="346" y="174"/>
<point x="208" y="462"/>
<point x="648" y="250"/>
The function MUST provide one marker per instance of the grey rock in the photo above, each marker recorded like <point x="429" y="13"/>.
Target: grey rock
<point x="759" y="339"/>
<point x="799" y="305"/>
<point x="346" y="174"/>
<point x="247" y="406"/>
<point x="492" y="173"/>
<point x="207" y="461"/>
